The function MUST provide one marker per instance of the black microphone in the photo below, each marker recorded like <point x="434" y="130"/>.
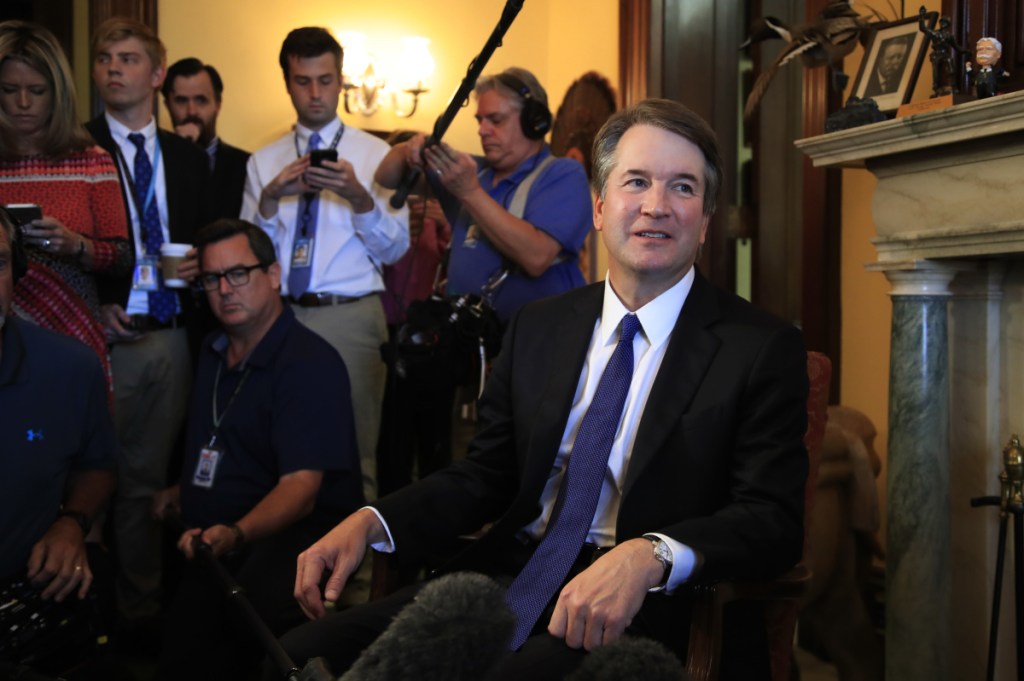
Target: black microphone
<point x="455" y="630"/>
<point x="631" y="658"/>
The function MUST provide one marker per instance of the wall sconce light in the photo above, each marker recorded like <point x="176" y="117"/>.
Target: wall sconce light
<point x="364" y="87"/>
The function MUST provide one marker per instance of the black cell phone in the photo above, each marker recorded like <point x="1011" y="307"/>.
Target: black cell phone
<point x="24" y="213"/>
<point x="318" y="156"/>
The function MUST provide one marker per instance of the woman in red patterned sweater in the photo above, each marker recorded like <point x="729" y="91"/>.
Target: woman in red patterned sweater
<point x="47" y="158"/>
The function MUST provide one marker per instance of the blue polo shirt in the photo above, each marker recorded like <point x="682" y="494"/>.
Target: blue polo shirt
<point x="558" y="204"/>
<point x="292" y="411"/>
<point x="54" y="421"/>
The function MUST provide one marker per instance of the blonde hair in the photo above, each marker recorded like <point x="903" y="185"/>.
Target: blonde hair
<point x="116" y="29"/>
<point x="38" y="49"/>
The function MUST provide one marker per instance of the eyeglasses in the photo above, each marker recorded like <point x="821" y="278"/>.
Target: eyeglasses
<point x="236" y="276"/>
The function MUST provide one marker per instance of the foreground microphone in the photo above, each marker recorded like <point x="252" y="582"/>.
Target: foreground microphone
<point x="455" y="630"/>
<point x="630" y="658"/>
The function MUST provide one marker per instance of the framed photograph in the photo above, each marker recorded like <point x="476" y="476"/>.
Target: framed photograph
<point x="892" y="62"/>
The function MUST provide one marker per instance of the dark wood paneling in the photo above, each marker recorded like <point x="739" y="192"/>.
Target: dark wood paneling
<point x="634" y="46"/>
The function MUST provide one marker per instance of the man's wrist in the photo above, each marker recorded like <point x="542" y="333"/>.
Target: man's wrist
<point x="238" y="535"/>
<point x="82" y="520"/>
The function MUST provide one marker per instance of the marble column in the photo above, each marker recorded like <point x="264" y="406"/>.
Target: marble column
<point x="918" y="561"/>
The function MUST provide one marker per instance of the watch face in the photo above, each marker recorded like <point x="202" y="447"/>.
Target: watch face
<point x="663" y="552"/>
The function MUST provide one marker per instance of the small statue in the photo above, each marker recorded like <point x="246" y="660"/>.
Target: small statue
<point x="944" y="46"/>
<point x="985" y="79"/>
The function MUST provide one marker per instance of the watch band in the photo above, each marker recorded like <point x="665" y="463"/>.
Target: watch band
<point x="82" y="519"/>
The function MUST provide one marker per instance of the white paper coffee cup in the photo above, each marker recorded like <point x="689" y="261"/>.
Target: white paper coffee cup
<point x="171" y="256"/>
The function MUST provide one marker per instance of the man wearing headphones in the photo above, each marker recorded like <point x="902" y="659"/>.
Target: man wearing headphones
<point x="519" y="215"/>
<point x="57" y="460"/>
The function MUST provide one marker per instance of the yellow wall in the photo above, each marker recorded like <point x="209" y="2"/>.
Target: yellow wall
<point x="864" y="296"/>
<point x="556" y="39"/>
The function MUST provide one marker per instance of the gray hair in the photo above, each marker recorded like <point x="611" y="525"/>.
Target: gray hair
<point x="667" y="115"/>
<point x="494" y="82"/>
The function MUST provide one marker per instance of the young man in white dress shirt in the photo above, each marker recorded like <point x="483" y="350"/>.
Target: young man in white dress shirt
<point x="332" y="227"/>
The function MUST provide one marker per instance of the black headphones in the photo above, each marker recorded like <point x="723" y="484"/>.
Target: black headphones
<point x="19" y="261"/>
<point x="535" y="117"/>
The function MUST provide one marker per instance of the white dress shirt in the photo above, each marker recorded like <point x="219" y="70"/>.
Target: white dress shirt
<point x="349" y="247"/>
<point x="138" y="301"/>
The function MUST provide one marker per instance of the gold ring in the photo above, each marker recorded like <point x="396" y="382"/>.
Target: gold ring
<point x="78" y="567"/>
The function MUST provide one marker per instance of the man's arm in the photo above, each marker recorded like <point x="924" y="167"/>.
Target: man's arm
<point x="289" y="501"/>
<point x="518" y="240"/>
<point x="339" y="552"/>
<point x="59" y="558"/>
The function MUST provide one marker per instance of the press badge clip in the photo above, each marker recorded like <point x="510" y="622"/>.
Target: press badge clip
<point x="206" y="467"/>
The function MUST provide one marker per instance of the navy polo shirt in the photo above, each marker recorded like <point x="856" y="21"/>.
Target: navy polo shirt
<point x="287" y="407"/>
<point x="558" y="204"/>
<point x="54" y="420"/>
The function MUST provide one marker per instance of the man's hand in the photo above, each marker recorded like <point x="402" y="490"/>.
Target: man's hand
<point x="166" y="501"/>
<point x="340" y="177"/>
<point x="221" y="539"/>
<point x="188" y="130"/>
<point x="188" y="269"/>
<point x="339" y="552"/>
<point x="59" y="561"/>
<point x="458" y="171"/>
<point x="117" y="324"/>
<point x="597" y="605"/>
<point x="289" y="182"/>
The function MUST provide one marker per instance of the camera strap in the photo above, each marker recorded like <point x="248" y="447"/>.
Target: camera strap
<point x="516" y="208"/>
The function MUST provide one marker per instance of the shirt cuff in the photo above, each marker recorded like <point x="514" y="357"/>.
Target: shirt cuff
<point x="364" y="223"/>
<point x="382" y="547"/>
<point x="683" y="561"/>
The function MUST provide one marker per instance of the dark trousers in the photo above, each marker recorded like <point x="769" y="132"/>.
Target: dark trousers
<point x="205" y="636"/>
<point x="416" y="421"/>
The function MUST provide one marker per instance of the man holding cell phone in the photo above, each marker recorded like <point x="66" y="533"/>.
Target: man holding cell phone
<point x="312" y="191"/>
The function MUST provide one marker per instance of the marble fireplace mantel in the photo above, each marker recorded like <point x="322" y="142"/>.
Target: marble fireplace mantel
<point x="948" y="211"/>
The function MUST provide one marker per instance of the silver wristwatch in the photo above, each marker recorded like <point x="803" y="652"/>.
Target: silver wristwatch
<point x="664" y="556"/>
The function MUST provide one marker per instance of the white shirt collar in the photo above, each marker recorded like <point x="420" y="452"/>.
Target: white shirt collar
<point x="657" y="317"/>
<point x="121" y="131"/>
<point x="327" y="133"/>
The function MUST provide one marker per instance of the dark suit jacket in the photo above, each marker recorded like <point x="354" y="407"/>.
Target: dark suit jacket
<point x="718" y="462"/>
<point x="186" y="169"/>
<point x="228" y="181"/>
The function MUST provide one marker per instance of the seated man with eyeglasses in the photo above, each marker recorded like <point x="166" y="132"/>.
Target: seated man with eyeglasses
<point x="270" y="459"/>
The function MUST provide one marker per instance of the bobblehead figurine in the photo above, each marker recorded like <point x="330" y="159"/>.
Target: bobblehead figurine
<point x="987" y="76"/>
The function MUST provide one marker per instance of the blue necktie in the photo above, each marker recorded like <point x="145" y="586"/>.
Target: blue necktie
<point x="309" y="208"/>
<point x="580" y="490"/>
<point x="162" y="303"/>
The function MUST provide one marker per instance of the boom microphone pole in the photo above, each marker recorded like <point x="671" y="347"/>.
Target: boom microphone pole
<point x="314" y="670"/>
<point x="460" y="97"/>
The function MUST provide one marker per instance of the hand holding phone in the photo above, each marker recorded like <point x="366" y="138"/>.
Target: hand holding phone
<point x="318" y="156"/>
<point x="24" y="213"/>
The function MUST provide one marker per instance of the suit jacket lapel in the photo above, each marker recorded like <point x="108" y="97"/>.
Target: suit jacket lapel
<point x="571" y="335"/>
<point x="690" y="351"/>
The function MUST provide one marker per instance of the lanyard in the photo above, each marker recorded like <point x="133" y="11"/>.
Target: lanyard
<point x="151" y="190"/>
<point x="219" y="418"/>
<point x="307" y="198"/>
<point x="334" y="142"/>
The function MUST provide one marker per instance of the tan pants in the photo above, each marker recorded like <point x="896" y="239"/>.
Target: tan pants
<point x="357" y="330"/>
<point x="152" y="380"/>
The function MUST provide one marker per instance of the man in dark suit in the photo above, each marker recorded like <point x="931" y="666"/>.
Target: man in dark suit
<point x="193" y="92"/>
<point x="701" y="466"/>
<point x="164" y="179"/>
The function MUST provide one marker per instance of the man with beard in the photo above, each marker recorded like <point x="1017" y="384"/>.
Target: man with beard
<point x="192" y="93"/>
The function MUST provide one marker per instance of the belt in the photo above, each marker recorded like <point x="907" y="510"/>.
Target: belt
<point x="146" y="322"/>
<point x="324" y="299"/>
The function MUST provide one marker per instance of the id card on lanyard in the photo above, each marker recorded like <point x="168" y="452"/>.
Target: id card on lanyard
<point x="147" y="266"/>
<point x="210" y="456"/>
<point x="305" y="239"/>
